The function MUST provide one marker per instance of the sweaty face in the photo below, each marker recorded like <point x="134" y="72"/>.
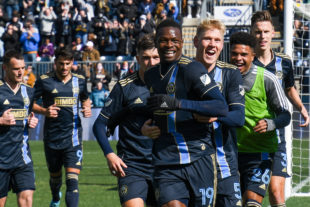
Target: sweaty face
<point x="209" y="45"/>
<point x="242" y="56"/>
<point x="263" y="33"/>
<point x="15" y="70"/>
<point x="169" y="44"/>
<point x="63" y="67"/>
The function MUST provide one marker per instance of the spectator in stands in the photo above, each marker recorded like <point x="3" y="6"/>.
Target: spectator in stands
<point x="76" y="68"/>
<point x="146" y="6"/>
<point x="17" y="24"/>
<point x="77" y="54"/>
<point x="46" y="50"/>
<point x="3" y="18"/>
<point x="29" y="9"/>
<point x="82" y="20"/>
<point x="100" y="74"/>
<point x="64" y="27"/>
<point x="47" y="19"/>
<point x="99" y="95"/>
<point x="11" y="6"/>
<point x="97" y="27"/>
<point x="192" y="3"/>
<point x="90" y="54"/>
<point x="126" y="40"/>
<point x="151" y="20"/>
<point x="161" y="17"/>
<point x="128" y="10"/>
<point x="10" y="38"/>
<point x="102" y="7"/>
<point x="30" y="39"/>
<point x="29" y="77"/>
<point x="110" y="40"/>
<point x="142" y="28"/>
<point x="122" y="71"/>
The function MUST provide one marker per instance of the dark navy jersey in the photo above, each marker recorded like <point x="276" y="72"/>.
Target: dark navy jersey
<point x="133" y="148"/>
<point x="282" y="66"/>
<point x="229" y="81"/>
<point x="14" y="148"/>
<point x="65" y="130"/>
<point x="182" y="140"/>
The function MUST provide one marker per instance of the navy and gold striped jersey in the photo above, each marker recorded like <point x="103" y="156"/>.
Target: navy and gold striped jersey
<point x="14" y="148"/>
<point x="183" y="140"/>
<point x="282" y="66"/>
<point x="133" y="148"/>
<point x="65" y="130"/>
<point x="229" y="81"/>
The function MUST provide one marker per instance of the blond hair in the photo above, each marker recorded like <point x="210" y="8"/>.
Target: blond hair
<point x="210" y="24"/>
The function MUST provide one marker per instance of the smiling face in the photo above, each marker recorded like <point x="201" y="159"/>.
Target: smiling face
<point x="209" y="45"/>
<point x="169" y="44"/>
<point x="242" y="56"/>
<point x="263" y="32"/>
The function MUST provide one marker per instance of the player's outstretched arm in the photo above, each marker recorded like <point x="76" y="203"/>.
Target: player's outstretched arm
<point x="86" y="108"/>
<point x="7" y="118"/>
<point x="50" y="112"/>
<point x="32" y="120"/>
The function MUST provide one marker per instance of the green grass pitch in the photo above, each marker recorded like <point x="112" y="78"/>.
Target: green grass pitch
<point x="97" y="186"/>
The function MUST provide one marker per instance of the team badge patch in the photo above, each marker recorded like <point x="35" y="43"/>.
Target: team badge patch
<point x="26" y="101"/>
<point x="170" y="88"/>
<point x="205" y="79"/>
<point x="279" y="75"/>
<point x="241" y="90"/>
<point x="123" y="190"/>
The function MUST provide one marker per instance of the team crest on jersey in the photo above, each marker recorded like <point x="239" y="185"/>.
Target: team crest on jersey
<point x="203" y="147"/>
<point x="205" y="79"/>
<point x="6" y="102"/>
<point x="279" y="75"/>
<point x="170" y="88"/>
<point x="75" y="90"/>
<point x="123" y="190"/>
<point x="54" y="91"/>
<point x="26" y="101"/>
<point x="241" y="90"/>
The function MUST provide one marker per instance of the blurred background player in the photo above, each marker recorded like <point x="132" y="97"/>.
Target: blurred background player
<point x="16" y="167"/>
<point x="281" y="65"/>
<point x="61" y="92"/>
<point x="209" y="41"/>
<point x="183" y="154"/>
<point x="266" y="110"/>
<point x="133" y="162"/>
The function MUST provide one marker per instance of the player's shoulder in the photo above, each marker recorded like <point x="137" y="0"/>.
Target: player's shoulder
<point x="78" y="76"/>
<point x="184" y="60"/>
<point x="224" y="65"/>
<point x="128" y="79"/>
<point x="269" y="76"/>
<point x="1" y="83"/>
<point x="283" y="56"/>
<point x="26" y="85"/>
<point x="47" y="75"/>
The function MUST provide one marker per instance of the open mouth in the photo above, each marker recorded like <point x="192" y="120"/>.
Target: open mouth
<point x="169" y="53"/>
<point x="210" y="53"/>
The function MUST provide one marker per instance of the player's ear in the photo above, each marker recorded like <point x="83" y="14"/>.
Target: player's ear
<point x="196" y="41"/>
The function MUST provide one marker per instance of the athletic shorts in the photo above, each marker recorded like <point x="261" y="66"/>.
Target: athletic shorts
<point x="69" y="158"/>
<point x="135" y="185"/>
<point x="255" y="171"/>
<point x="279" y="166"/>
<point x="18" y="179"/>
<point x="193" y="184"/>
<point x="229" y="192"/>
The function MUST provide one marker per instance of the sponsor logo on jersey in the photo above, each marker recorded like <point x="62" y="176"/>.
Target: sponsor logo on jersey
<point x="78" y="163"/>
<point x="164" y="105"/>
<point x="138" y="101"/>
<point x="123" y="190"/>
<point x="19" y="114"/>
<point x="284" y="170"/>
<point x="205" y="79"/>
<point x="6" y="102"/>
<point x="239" y="203"/>
<point x="54" y="91"/>
<point x="170" y="88"/>
<point x="65" y="101"/>
<point x="263" y="186"/>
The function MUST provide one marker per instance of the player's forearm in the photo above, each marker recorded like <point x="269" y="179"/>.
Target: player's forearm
<point x="282" y="119"/>
<point x="212" y="108"/>
<point x="86" y="103"/>
<point x="39" y="109"/>
<point x="99" y="130"/>
<point x="235" y="117"/>
<point x="294" y="98"/>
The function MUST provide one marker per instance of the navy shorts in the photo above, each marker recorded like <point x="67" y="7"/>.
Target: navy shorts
<point x="135" y="185"/>
<point x="193" y="184"/>
<point x="17" y="179"/>
<point x="229" y="192"/>
<point x="255" y="171"/>
<point x="69" y="158"/>
<point x="279" y="166"/>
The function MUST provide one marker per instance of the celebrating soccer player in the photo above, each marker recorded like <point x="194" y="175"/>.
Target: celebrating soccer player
<point x="16" y="167"/>
<point x="266" y="110"/>
<point x="209" y="41"/>
<point x="280" y="65"/>
<point x="61" y="92"/>
<point x="126" y="107"/>
<point x="183" y="154"/>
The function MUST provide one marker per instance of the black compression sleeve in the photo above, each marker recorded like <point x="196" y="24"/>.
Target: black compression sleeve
<point x="99" y="130"/>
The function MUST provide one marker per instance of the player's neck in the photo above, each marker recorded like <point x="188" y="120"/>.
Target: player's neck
<point x="264" y="56"/>
<point x="209" y="67"/>
<point x="64" y="79"/>
<point x="14" y="86"/>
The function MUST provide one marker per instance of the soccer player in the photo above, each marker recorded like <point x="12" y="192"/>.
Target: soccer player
<point x="61" y="92"/>
<point x="16" y="167"/>
<point x="280" y="65"/>
<point x="183" y="154"/>
<point x="127" y="107"/>
<point x="266" y="110"/>
<point x="209" y="41"/>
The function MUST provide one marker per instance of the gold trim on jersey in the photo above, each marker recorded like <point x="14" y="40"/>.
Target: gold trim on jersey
<point x="209" y="90"/>
<point x="236" y="104"/>
<point x="185" y="61"/>
<point x="44" y="76"/>
<point x="1" y="83"/>
<point x="104" y="116"/>
<point x="77" y="75"/>
<point x="282" y="55"/>
<point x="226" y="65"/>
<point x="214" y="179"/>
<point x="65" y="101"/>
<point x="129" y="79"/>
<point x="162" y="112"/>
<point x="19" y="114"/>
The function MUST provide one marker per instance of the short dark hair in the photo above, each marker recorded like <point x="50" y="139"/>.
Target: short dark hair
<point x="261" y="16"/>
<point x="8" y="55"/>
<point x="242" y="38"/>
<point x="168" y="23"/>
<point x="64" y="52"/>
<point x="147" y="42"/>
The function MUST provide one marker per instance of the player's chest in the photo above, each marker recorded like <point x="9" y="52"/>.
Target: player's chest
<point x="60" y="89"/>
<point x="16" y="102"/>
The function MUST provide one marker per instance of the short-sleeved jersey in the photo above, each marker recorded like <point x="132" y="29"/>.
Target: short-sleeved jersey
<point x="282" y="66"/>
<point x="229" y="81"/>
<point x="182" y="140"/>
<point x="65" y="130"/>
<point x="134" y="148"/>
<point x="14" y="148"/>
